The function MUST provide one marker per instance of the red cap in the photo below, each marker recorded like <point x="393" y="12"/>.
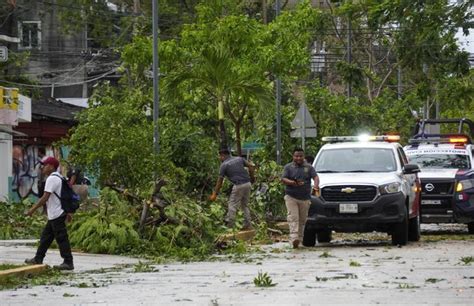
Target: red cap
<point x="51" y="161"/>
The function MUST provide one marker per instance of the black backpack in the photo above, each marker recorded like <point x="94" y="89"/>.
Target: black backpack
<point x="69" y="199"/>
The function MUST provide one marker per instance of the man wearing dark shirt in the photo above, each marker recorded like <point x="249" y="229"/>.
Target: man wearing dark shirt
<point x="234" y="169"/>
<point x="297" y="177"/>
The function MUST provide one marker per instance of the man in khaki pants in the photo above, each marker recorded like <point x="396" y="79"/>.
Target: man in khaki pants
<point x="297" y="177"/>
<point x="234" y="169"/>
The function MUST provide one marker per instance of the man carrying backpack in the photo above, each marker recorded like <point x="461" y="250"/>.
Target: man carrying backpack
<point x="56" y="226"/>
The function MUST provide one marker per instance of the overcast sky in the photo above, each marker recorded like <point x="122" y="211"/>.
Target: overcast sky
<point x="466" y="42"/>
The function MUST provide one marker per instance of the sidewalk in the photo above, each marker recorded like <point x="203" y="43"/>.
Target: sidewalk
<point x="16" y="251"/>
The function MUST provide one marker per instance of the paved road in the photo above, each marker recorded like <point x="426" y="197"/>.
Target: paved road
<point x="352" y="270"/>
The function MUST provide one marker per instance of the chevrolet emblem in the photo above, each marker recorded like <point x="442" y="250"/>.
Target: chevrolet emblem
<point x="348" y="190"/>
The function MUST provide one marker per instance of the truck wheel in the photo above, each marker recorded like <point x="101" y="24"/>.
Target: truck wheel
<point x="400" y="232"/>
<point x="309" y="236"/>
<point x="414" y="230"/>
<point x="325" y="236"/>
<point x="470" y="228"/>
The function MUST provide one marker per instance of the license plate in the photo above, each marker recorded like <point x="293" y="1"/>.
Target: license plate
<point x="348" y="208"/>
<point x="428" y="202"/>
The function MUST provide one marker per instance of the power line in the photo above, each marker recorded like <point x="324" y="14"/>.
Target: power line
<point x="59" y="84"/>
<point x="83" y="8"/>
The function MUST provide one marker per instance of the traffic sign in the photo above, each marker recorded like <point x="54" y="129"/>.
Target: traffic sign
<point x="297" y="133"/>
<point x="3" y="54"/>
<point x="303" y="125"/>
<point x="303" y="118"/>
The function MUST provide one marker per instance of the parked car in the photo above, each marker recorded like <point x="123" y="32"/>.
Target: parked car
<point x="446" y="161"/>
<point x="366" y="185"/>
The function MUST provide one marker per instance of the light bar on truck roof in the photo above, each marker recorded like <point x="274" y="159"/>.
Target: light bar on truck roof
<point x="458" y="139"/>
<point x="453" y="139"/>
<point x="362" y="138"/>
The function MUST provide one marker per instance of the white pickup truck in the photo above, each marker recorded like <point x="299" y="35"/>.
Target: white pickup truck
<point x="366" y="185"/>
<point x="446" y="161"/>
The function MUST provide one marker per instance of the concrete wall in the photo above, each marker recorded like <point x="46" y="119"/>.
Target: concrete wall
<point x="25" y="171"/>
<point x="5" y="164"/>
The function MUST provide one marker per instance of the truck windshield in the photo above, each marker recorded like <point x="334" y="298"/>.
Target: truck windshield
<point x="356" y="160"/>
<point x="440" y="161"/>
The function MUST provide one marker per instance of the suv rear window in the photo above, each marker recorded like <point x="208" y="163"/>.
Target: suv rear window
<point x="441" y="161"/>
<point x="356" y="160"/>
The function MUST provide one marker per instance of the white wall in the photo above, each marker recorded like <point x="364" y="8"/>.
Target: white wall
<point x="5" y="164"/>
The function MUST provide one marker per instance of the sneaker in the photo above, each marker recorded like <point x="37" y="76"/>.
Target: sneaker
<point x="296" y="243"/>
<point x="64" y="266"/>
<point x="33" y="261"/>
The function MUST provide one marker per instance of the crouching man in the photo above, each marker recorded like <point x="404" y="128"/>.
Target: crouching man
<point x="234" y="169"/>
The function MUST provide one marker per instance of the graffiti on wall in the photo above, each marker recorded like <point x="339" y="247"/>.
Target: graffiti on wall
<point x="26" y="168"/>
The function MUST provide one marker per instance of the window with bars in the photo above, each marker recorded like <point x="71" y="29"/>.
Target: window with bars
<point x="30" y="34"/>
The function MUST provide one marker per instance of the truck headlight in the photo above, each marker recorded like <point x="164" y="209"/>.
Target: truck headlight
<point x="390" y="188"/>
<point x="465" y="184"/>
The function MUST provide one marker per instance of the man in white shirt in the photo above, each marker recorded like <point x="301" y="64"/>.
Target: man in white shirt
<point x="56" y="226"/>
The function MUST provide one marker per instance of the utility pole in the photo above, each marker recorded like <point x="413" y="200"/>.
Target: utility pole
<point x="264" y="12"/>
<point x="136" y="6"/>
<point x="156" y="105"/>
<point x="303" y="128"/>
<point x="349" y="54"/>
<point x="278" y="103"/>
<point x="84" y="73"/>
<point x="399" y="82"/>
<point x="156" y="79"/>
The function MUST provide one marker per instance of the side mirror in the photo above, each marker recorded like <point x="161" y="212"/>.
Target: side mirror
<point x="411" y="169"/>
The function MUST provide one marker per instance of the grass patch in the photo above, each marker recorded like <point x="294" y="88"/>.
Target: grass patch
<point x="433" y="280"/>
<point x="407" y="286"/>
<point x="336" y="277"/>
<point x="325" y="254"/>
<point x="467" y="260"/>
<point x="142" y="267"/>
<point x="47" y="277"/>
<point x="4" y="267"/>
<point x="263" y="280"/>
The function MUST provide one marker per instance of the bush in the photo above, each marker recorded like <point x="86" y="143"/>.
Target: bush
<point x="194" y="235"/>
<point x="108" y="230"/>
<point x="15" y="225"/>
<point x="189" y="234"/>
<point x="267" y="198"/>
<point x="108" y="235"/>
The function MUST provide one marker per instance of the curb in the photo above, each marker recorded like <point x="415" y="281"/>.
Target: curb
<point x="18" y="242"/>
<point x="23" y="271"/>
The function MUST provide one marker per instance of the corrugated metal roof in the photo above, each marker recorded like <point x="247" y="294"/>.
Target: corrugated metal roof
<point x="54" y="109"/>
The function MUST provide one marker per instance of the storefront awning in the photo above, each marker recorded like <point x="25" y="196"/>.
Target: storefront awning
<point x="9" y="130"/>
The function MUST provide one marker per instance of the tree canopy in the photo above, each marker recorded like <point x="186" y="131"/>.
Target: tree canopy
<point x="217" y="82"/>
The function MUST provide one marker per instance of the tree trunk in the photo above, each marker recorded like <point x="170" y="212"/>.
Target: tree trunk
<point x="222" y="133"/>
<point x="238" y="141"/>
<point x="136" y="6"/>
<point x="264" y="11"/>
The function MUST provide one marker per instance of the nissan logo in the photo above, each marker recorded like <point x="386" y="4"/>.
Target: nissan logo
<point x="429" y="187"/>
